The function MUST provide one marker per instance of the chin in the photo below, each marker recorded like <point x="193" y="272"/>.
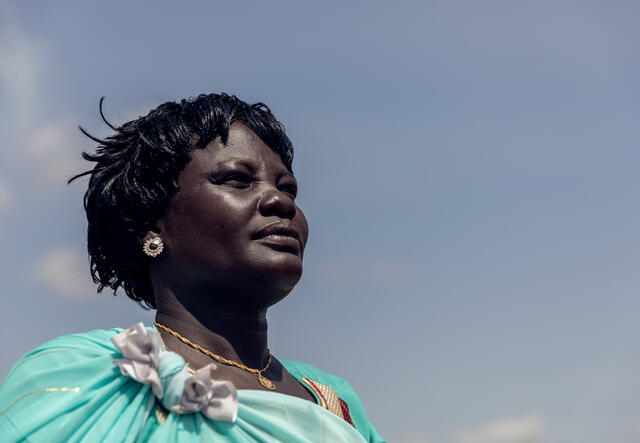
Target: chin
<point x="279" y="278"/>
<point x="279" y="265"/>
<point x="285" y="277"/>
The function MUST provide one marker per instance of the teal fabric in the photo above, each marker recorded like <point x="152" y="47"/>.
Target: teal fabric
<point x="343" y="390"/>
<point x="69" y="390"/>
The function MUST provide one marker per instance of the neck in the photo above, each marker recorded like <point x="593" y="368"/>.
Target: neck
<point x="236" y="335"/>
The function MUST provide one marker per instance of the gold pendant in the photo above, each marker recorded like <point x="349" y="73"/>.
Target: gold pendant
<point x="266" y="382"/>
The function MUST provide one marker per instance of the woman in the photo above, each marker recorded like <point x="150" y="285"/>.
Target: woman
<point x="191" y="211"/>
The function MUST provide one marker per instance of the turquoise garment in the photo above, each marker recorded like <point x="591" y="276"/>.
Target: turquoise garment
<point x="69" y="390"/>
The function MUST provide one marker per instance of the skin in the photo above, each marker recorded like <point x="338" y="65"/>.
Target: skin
<point x="215" y="279"/>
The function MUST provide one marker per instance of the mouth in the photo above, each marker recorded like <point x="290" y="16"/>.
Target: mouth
<point x="280" y="237"/>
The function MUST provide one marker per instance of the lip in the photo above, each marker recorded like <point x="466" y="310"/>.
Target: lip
<point x="280" y="236"/>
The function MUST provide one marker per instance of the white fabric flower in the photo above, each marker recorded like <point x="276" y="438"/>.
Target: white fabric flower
<point x="146" y="361"/>
<point x="217" y="400"/>
<point x="140" y="348"/>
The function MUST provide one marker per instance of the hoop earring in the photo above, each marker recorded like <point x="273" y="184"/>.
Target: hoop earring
<point x="153" y="247"/>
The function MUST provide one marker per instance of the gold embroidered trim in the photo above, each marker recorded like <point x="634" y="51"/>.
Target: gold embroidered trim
<point x="333" y="402"/>
<point x="39" y="355"/>
<point x="37" y="392"/>
<point x="161" y="414"/>
<point x="328" y="397"/>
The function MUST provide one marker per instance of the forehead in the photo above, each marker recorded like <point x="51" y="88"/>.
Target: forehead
<point x="243" y="147"/>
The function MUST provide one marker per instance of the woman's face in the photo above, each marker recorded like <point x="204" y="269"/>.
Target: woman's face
<point x="234" y="227"/>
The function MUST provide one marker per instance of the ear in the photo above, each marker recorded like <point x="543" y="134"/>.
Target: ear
<point x="155" y="231"/>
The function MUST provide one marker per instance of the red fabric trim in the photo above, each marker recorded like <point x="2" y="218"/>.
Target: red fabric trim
<point x="345" y="412"/>
<point x="344" y="407"/>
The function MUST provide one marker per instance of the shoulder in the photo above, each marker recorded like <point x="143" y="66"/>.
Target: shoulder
<point x="74" y="376"/>
<point x="96" y="341"/>
<point x="343" y="390"/>
<point x="300" y="370"/>
<point x="63" y="350"/>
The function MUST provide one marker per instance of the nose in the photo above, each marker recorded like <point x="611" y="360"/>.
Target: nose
<point x="276" y="203"/>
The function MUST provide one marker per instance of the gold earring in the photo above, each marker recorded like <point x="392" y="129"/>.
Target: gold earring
<point x="153" y="247"/>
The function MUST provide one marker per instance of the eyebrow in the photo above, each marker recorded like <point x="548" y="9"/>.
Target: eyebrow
<point x="247" y="164"/>
<point x="235" y="162"/>
<point x="287" y="174"/>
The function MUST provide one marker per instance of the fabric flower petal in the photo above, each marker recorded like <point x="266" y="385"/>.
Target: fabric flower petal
<point x="217" y="400"/>
<point x="147" y="362"/>
<point x="140" y="348"/>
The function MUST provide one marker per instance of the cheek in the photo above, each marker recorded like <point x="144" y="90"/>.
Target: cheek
<point x="207" y="220"/>
<point x="303" y="226"/>
<point x="230" y="215"/>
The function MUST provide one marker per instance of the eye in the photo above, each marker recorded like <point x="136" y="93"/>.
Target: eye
<point x="235" y="179"/>
<point x="290" y="189"/>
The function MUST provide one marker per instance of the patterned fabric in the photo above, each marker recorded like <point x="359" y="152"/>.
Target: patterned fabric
<point x="328" y="399"/>
<point x="342" y="389"/>
<point x="345" y="411"/>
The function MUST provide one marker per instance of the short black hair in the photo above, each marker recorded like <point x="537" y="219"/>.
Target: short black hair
<point x="136" y="175"/>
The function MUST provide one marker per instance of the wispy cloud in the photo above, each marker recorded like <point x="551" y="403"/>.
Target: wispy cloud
<point x="21" y="66"/>
<point x="507" y="430"/>
<point x="53" y="148"/>
<point x="64" y="271"/>
<point x="33" y="136"/>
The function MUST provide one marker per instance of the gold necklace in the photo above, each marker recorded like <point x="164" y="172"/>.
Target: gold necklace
<point x="262" y="379"/>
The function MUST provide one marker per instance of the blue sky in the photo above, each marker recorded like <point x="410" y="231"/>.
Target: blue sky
<point x="469" y="171"/>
